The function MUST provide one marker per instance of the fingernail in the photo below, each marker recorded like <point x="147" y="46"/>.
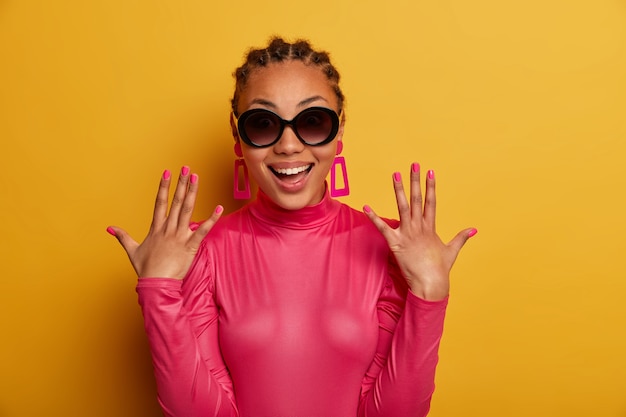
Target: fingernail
<point x="194" y="178"/>
<point x="367" y="209"/>
<point x="111" y="231"/>
<point x="167" y="174"/>
<point x="415" y="167"/>
<point x="397" y="177"/>
<point x="219" y="210"/>
<point x="431" y="174"/>
<point x="184" y="171"/>
<point x="472" y="232"/>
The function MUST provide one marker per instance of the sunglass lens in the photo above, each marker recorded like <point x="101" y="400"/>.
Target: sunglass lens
<point x="314" y="126"/>
<point x="262" y="128"/>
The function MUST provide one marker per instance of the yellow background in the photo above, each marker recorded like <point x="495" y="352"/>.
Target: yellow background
<point x="519" y="106"/>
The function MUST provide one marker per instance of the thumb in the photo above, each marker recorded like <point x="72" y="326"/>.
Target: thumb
<point x="205" y="227"/>
<point x="127" y="242"/>
<point x="460" y="239"/>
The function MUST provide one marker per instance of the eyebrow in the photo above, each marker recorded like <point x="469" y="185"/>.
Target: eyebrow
<point x="303" y="103"/>
<point x="310" y="100"/>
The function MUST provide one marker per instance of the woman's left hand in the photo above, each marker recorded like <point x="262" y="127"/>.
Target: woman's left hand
<point x="424" y="260"/>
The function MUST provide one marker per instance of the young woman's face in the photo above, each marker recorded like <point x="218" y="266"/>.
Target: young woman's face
<point x="291" y="173"/>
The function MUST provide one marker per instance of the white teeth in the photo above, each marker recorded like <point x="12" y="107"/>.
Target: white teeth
<point x="292" y="171"/>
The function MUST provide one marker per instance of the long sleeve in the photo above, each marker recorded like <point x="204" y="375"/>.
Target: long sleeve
<point x="401" y="379"/>
<point x="292" y="313"/>
<point x="181" y="324"/>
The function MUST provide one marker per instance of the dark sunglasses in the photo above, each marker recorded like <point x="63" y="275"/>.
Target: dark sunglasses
<point x="314" y="126"/>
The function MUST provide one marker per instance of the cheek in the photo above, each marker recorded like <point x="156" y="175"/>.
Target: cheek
<point x="254" y="156"/>
<point x="255" y="162"/>
<point x="327" y="156"/>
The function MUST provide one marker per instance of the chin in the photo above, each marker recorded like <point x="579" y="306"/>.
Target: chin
<point x="296" y="201"/>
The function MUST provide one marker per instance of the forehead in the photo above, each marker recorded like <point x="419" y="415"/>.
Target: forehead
<point x="286" y="84"/>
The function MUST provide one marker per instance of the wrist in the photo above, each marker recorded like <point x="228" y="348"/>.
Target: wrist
<point x="435" y="292"/>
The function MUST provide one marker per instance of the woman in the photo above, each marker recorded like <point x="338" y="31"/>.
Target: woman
<point x="296" y="305"/>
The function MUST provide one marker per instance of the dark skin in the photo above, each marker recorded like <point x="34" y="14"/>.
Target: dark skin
<point x="425" y="261"/>
<point x="170" y="246"/>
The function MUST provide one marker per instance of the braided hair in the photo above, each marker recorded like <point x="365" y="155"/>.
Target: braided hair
<point x="278" y="50"/>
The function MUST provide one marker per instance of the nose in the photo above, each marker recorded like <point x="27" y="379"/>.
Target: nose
<point x="288" y="142"/>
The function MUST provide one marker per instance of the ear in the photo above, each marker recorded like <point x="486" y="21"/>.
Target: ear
<point x="233" y="127"/>
<point x="342" y="124"/>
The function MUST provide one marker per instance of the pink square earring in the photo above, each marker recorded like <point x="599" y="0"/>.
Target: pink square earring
<point x="341" y="161"/>
<point x="240" y="167"/>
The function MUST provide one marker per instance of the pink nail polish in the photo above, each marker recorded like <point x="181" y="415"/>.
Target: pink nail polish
<point x="185" y="170"/>
<point x="194" y="178"/>
<point x="415" y="167"/>
<point x="111" y="231"/>
<point x="367" y="209"/>
<point x="219" y="210"/>
<point x="397" y="177"/>
<point x="431" y="174"/>
<point x="167" y="174"/>
<point x="472" y="232"/>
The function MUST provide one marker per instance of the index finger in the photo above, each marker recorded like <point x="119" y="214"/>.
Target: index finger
<point x="162" y="198"/>
<point x="404" y="210"/>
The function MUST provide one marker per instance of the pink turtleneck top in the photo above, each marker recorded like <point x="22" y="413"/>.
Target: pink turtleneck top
<point x="292" y="314"/>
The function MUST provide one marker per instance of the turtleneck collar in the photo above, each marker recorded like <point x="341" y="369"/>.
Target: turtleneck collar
<point x="305" y="218"/>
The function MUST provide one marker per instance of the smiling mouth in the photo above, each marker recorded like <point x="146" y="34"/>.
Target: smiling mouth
<point x="291" y="174"/>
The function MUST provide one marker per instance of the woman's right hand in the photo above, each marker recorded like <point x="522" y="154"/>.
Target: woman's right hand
<point x="170" y="247"/>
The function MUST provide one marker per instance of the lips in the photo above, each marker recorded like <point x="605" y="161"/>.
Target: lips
<point x="291" y="176"/>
